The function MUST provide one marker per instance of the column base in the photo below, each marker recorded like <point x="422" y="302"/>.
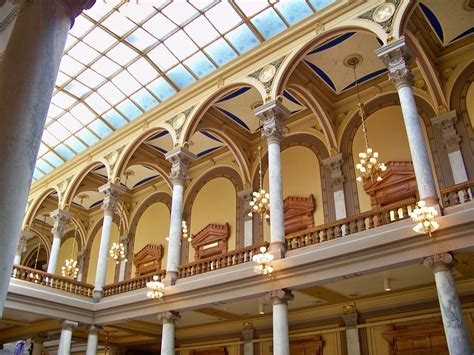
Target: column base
<point x="97" y="295"/>
<point x="170" y="279"/>
<point x="277" y="249"/>
<point x="431" y="201"/>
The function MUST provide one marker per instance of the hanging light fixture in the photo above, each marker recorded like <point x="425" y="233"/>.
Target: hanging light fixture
<point x="156" y="289"/>
<point x="424" y="217"/>
<point x="117" y="250"/>
<point x="263" y="261"/>
<point x="260" y="203"/>
<point x="184" y="232"/>
<point x="34" y="276"/>
<point x="369" y="168"/>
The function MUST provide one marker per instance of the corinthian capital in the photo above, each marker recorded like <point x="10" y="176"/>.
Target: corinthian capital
<point x="397" y="57"/>
<point x="60" y="219"/>
<point x="25" y="236"/>
<point x="75" y="7"/>
<point x="272" y="115"/>
<point x="180" y="159"/>
<point x="112" y="193"/>
<point x="280" y="296"/>
<point x="169" y="317"/>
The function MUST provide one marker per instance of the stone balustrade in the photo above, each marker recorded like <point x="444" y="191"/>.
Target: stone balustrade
<point x="457" y="194"/>
<point x="131" y="284"/>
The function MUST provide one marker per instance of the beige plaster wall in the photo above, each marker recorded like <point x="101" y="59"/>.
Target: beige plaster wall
<point x="153" y="228"/>
<point x="215" y="203"/>
<point x="470" y="103"/>
<point x="94" y="253"/>
<point x="65" y="253"/>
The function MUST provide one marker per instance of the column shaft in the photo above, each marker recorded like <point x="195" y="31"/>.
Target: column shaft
<point x="174" y="243"/>
<point x="37" y="345"/>
<point x="277" y="219"/>
<point x="101" y="271"/>
<point x="92" y="340"/>
<point x="281" y="341"/>
<point x="167" y="338"/>
<point x="60" y="218"/>
<point x="66" y="337"/>
<point x="53" y="256"/>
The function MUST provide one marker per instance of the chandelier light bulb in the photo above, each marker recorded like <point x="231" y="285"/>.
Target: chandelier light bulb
<point x="117" y="253"/>
<point x="156" y="289"/>
<point x="70" y="268"/>
<point x="263" y="262"/>
<point x="424" y="217"/>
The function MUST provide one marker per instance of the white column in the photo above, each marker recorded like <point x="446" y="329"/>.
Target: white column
<point x="396" y="57"/>
<point x="352" y="334"/>
<point x="92" y="339"/>
<point x="112" y="192"/>
<point x="180" y="159"/>
<point x="334" y="165"/>
<point x="25" y="236"/>
<point x="27" y="75"/>
<point x="451" y="311"/>
<point x="80" y="264"/>
<point x="245" y="196"/>
<point x="247" y="335"/>
<point x="168" y="333"/>
<point x="272" y="116"/>
<point x="60" y="218"/>
<point x="66" y="337"/>
<point x="123" y="264"/>
<point x="37" y="345"/>
<point x="281" y="339"/>
<point x="446" y="123"/>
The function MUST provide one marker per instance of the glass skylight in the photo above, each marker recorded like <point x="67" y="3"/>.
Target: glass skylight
<point x="123" y="59"/>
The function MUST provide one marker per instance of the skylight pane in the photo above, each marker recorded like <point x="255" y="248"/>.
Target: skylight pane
<point x="122" y="54"/>
<point x="53" y="159"/>
<point x="114" y="119"/>
<point x="70" y="41"/>
<point x="62" y="78"/>
<point x="104" y="66"/>
<point x="251" y="7"/>
<point x="161" y="89"/>
<point x="64" y="152"/>
<point x="180" y="45"/>
<point x="42" y="149"/>
<point x="37" y="174"/>
<point x="58" y="131"/>
<point x="129" y="109"/>
<point x="100" y="128"/>
<point x="320" y="4"/>
<point x="142" y="71"/>
<point x="162" y="57"/>
<point x="70" y="66"/>
<point x="159" y="26"/>
<point x="220" y="52"/>
<point x="201" y="31"/>
<point x="77" y="89"/>
<point x="144" y="99"/>
<point x="118" y="23"/>
<point x="82" y="113"/>
<point x="268" y="23"/>
<point x="90" y="78"/>
<point x="201" y="4"/>
<point x="126" y="83"/>
<point x="75" y="144"/>
<point x="97" y="103"/>
<point x="63" y="100"/>
<point x="81" y="26"/>
<point x="294" y="10"/>
<point x="179" y="12"/>
<point x="200" y="65"/>
<point x="98" y="11"/>
<point x="223" y="17"/>
<point x="109" y="92"/>
<point x="138" y="13"/>
<point x="180" y="76"/>
<point x="242" y="38"/>
<point x="83" y="53"/>
<point x="87" y="136"/>
<point x="141" y="39"/>
<point x="54" y="111"/>
<point x="99" y="39"/>
<point x="68" y="120"/>
<point x="49" y="139"/>
<point x="44" y="166"/>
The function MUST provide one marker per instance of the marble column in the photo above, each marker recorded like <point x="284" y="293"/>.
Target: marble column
<point x="446" y="123"/>
<point x="180" y="159"/>
<point x="168" y="333"/>
<point x="247" y="335"/>
<point x="272" y="115"/>
<point x="123" y="264"/>
<point x="352" y="334"/>
<point x="245" y="196"/>
<point x="37" y="345"/>
<point x="397" y="57"/>
<point x="25" y="236"/>
<point x="60" y="218"/>
<point x="334" y="166"/>
<point x="80" y="264"/>
<point x="27" y="75"/>
<point x="281" y="339"/>
<point x="112" y="192"/>
<point x="451" y="311"/>
<point x="66" y="337"/>
<point x="92" y="339"/>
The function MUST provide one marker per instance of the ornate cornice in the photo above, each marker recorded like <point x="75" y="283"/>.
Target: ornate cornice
<point x="397" y="57"/>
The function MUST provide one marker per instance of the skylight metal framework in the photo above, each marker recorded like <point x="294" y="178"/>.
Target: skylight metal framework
<point x="121" y="60"/>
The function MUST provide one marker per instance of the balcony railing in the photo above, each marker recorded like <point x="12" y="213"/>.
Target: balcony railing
<point x="131" y="284"/>
<point x="457" y="194"/>
<point x="54" y="281"/>
<point x="234" y="257"/>
<point x="351" y="225"/>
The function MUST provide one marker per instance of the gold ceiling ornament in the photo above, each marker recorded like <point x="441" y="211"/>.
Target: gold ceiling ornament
<point x="156" y="288"/>
<point x="127" y="173"/>
<point x="369" y="168"/>
<point x="424" y="217"/>
<point x="260" y="199"/>
<point x="264" y="262"/>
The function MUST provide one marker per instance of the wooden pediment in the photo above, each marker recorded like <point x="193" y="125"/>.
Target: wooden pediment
<point x="148" y="259"/>
<point x="398" y="183"/>
<point x="211" y="240"/>
<point x="298" y="213"/>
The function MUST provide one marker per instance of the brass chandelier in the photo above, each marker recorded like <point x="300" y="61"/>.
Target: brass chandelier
<point x="369" y="168"/>
<point x="424" y="217"/>
<point x="70" y="268"/>
<point x="260" y="203"/>
<point x="117" y="250"/>
<point x="156" y="289"/>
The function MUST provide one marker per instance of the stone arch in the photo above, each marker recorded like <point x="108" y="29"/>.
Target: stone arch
<point x="44" y="240"/>
<point x="436" y="147"/>
<point x="402" y="17"/>
<point x="36" y="204"/>
<point x="219" y="171"/>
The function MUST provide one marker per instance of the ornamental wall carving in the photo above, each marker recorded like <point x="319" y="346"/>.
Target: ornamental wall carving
<point x="298" y="213"/>
<point x="211" y="240"/>
<point x="148" y="259"/>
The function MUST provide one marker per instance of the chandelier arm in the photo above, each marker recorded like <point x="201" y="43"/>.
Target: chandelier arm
<point x="361" y="108"/>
